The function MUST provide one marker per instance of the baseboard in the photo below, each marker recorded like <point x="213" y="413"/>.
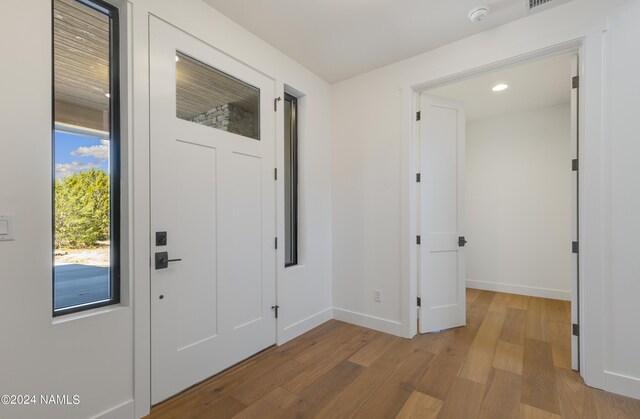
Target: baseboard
<point x="520" y="289"/>
<point x="123" y="410"/>
<point x="371" y="322"/>
<point x="300" y="327"/>
<point x="622" y="384"/>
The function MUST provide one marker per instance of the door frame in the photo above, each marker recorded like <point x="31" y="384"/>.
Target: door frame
<point x="588" y="43"/>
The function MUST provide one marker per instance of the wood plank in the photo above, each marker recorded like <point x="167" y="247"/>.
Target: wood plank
<point x="539" y="387"/>
<point x="530" y="412"/>
<point x="571" y="393"/>
<point x="519" y="302"/>
<point x="502" y="399"/>
<point x="378" y="345"/>
<point x="536" y="323"/>
<point x="389" y="398"/>
<point x="314" y="398"/>
<point x="349" y="401"/>
<point x="509" y="357"/>
<point x="560" y="338"/>
<point x="270" y="406"/>
<point x="464" y="400"/>
<point x="420" y="406"/>
<point x="477" y="365"/>
<point x="514" y="326"/>
<point x="442" y="373"/>
<point x="323" y="362"/>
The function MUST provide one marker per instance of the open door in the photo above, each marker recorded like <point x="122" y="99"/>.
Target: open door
<point x="441" y="239"/>
<point x="575" y="181"/>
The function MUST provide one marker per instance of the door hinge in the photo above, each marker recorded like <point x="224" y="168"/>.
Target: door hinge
<point x="275" y="103"/>
<point x="417" y="177"/>
<point x="276" y="242"/>
<point x="419" y="302"/>
<point x="275" y="174"/>
<point x="575" y="82"/>
<point x="418" y="115"/>
<point x="575" y="328"/>
<point x="575" y="247"/>
<point x="417" y="239"/>
<point x="275" y="310"/>
<point x="574" y="165"/>
<point x="461" y="241"/>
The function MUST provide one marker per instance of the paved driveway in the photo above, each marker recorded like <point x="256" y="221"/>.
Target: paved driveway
<point x="80" y="284"/>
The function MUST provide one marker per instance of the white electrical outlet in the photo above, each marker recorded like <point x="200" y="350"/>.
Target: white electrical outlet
<point x="377" y="296"/>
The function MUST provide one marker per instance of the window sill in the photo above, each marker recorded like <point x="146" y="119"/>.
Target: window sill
<point x="89" y="313"/>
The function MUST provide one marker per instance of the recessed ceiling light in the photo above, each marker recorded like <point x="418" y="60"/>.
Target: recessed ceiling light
<point x="500" y="87"/>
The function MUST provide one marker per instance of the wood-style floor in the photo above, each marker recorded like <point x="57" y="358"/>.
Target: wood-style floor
<point x="512" y="360"/>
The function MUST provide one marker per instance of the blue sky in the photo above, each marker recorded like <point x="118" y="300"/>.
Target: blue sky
<point x="77" y="153"/>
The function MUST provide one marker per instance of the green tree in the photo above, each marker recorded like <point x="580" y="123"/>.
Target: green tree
<point x="82" y="209"/>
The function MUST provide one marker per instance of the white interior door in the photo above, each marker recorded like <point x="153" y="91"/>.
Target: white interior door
<point x="441" y="200"/>
<point x="213" y="193"/>
<point x="575" y="270"/>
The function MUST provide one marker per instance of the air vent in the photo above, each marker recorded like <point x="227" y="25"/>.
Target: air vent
<point x="537" y="5"/>
<point x="532" y="4"/>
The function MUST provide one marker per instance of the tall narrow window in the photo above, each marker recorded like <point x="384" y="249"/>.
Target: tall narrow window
<point x="291" y="179"/>
<point x="86" y="156"/>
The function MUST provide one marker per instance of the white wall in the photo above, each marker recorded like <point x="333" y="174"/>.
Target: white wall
<point x="369" y="156"/>
<point x="518" y="203"/>
<point x="97" y="356"/>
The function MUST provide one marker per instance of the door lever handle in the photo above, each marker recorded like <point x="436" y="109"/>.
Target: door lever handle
<point x="162" y="260"/>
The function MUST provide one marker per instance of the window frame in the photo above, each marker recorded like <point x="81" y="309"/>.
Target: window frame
<point x="293" y="173"/>
<point x="114" y="156"/>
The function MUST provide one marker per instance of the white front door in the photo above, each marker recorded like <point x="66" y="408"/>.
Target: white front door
<point x="213" y="203"/>
<point x="441" y="215"/>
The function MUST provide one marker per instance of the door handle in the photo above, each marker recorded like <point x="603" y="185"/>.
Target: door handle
<point x="162" y="260"/>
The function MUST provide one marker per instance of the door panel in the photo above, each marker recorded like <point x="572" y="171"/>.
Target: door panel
<point x="441" y="191"/>
<point x="212" y="191"/>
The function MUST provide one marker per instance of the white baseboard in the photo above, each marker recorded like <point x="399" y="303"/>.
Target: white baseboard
<point x="123" y="410"/>
<point x="371" y="322"/>
<point x="520" y="289"/>
<point x="622" y="384"/>
<point x="298" y="328"/>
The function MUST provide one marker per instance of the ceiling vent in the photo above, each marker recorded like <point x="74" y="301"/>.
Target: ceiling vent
<point x="532" y="4"/>
<point x="538" y="5"/>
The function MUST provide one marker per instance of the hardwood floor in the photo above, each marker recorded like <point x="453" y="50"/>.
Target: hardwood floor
<point x="512" y="360"/>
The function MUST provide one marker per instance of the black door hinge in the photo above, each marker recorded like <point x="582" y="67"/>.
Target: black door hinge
<point x="275" y="310"/>
<point x="276" y="242"/>
<point x="575" y="82"/>
<point x="575" y="247"/>
<point x="574" y="165"/>
<point x="418" y="115"/>
<point x="417" y="239"/>
<point x="275" y="173"/>
<point x="417" y="177"/>
<point x="461" y="241"/>
<point x="275" y="103"/>
<point x="419" y="302"/>
<point x="575" y="329"/>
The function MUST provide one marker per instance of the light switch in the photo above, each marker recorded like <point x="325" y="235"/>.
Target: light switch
<point x="6" y="227"/>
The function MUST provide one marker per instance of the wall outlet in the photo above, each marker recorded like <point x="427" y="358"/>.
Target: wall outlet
<point x="377" y="296"/>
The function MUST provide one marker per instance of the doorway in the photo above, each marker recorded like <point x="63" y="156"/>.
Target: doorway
<point x="213" y="218"/>
<point x="521" y="202"/>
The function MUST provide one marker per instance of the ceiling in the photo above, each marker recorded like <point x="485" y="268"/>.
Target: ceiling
<point x="339" y="39"/>
<point x="536" y="84"/>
